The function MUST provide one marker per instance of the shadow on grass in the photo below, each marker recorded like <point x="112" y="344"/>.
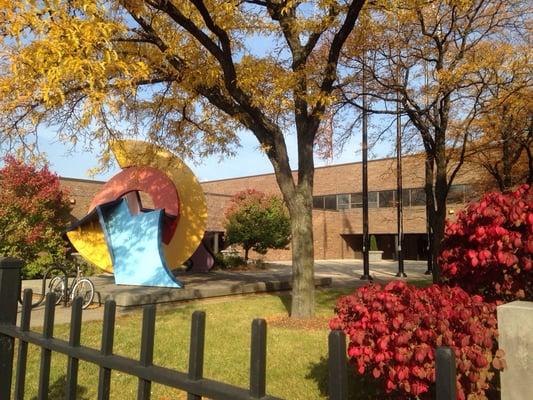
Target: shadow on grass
<point x="359" y="387"/>
<point x="286" y="300"/>
<point x="57" y="389"/>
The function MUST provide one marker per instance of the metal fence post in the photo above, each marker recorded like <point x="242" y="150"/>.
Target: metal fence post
<point x="445" y="374"/>
<point x="338" y="378"/>
<point x="9" y="293"/>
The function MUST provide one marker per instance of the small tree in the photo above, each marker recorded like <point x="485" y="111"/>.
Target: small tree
<point x="33" y="215"/>
<point x="373" y="243"/>
<point x="257" y="221"/>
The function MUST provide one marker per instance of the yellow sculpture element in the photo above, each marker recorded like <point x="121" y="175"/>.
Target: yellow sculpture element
<point x="90" y="242"/>
<point x="89" y="239"/>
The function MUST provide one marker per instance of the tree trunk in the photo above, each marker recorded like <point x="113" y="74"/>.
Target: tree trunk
<point x="507" y="181"/>
<point x="303" y="280"/>
<point x="246" y="251"/>
<point x="299" y="201"/>
<point x="441" y="187"/>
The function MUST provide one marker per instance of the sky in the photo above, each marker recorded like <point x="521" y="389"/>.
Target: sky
<point x="249" y="160"/>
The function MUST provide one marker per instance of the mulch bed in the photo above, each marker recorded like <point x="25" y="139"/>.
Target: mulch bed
<point x="284" y="321"/>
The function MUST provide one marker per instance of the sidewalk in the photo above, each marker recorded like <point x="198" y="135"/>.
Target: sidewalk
<point x="276" y="277"/>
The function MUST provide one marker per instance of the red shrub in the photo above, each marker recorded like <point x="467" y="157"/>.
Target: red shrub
<point x="394" y="331"/>
<point x="488" y="249"/>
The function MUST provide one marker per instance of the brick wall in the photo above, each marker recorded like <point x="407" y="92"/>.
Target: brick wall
<point x="81" y="193"/>
<point x="328" y="226"/>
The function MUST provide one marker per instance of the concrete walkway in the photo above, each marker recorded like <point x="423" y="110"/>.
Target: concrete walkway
<point x="276" y="277"/>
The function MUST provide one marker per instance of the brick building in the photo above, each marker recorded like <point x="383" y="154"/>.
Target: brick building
<point x="337" y="201"/>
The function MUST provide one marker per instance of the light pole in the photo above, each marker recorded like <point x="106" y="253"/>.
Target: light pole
<point x="399" y="202"/>
<point x="399" y="198"/>
<point x="429" y="236"/>
<point x="366" y="266"/>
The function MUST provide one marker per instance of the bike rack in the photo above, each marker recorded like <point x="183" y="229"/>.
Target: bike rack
<point x="62" y="271"/>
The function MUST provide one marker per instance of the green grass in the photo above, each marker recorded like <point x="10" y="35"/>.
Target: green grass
<point x="296" y="358"/>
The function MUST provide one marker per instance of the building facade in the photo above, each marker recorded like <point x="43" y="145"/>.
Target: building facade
<point x="337" y="206"/>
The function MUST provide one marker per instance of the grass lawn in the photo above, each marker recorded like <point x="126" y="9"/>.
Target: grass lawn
<point x="296" y="359"/>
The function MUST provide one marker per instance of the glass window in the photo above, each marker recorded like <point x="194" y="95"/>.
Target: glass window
<point x="418" y="197"/>
<point x="456" y="194"/>
<point x="356" y="200"/>
<point x="343" y="201"/>
<point x="406" y="197"/>
<point x="330" y="202"/>
<point x="318" y="202"/>
<point x="372" y="199"/>
<point x="470" y="193"/>
<point x="386" y="198"/>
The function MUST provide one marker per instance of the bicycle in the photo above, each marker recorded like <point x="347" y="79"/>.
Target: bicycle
<point x="80" y="286"/>
<point x="58" y="284"/>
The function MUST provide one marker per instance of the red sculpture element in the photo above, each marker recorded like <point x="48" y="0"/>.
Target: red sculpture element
<point x="153" y="182"/>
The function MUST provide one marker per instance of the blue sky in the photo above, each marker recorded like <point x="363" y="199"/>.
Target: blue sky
<point x="248" y="161"/>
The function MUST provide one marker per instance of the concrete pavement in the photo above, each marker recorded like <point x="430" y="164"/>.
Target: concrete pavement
<point x="275" y="277"/>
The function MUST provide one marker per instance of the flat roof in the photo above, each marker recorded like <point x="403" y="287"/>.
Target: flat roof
<point x="66" y="178"/>
<point x="320" y="167"/>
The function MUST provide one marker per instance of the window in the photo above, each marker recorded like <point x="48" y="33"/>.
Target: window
<point x="330" y="202"/>
<point x="356" y="200"/>
<point x="372" y="199"/>
<point x="418" y="197"/>
<point x="386" y="198"/>
<point x="318" y="202"/>
<point x="343" y="201"/>
<point x="406" y="197"/>
<point x="456" y="194"/>
<point x="470" y="193"/>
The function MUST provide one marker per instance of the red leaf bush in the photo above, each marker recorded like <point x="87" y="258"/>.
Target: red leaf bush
<point x="488" y="249"/>
<point x="394" y="331"/>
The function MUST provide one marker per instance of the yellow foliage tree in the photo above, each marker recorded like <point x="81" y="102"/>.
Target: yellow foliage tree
<point x="185" y="74"/>
<point x="503" y="144"/>
<point x="435" y="60"/>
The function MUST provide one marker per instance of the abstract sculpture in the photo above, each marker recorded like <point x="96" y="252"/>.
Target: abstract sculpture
<point x="139" y="245"/>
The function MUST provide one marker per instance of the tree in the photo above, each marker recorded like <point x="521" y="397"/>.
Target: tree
<point x="504" y="147"/>
<point x="34" y="213"/>
<point x="186" y="75"/>
<point x="258" y="222"/>
<point x="431" y="58"/>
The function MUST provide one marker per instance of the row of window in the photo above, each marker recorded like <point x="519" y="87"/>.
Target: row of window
<point x="458" y="194"/>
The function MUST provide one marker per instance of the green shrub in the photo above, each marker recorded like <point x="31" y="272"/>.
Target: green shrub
<point x="373" y="243"/>
<point x="224" y="261"/>
<point x="36" y="268"/>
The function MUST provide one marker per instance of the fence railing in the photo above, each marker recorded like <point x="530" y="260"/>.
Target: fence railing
<point x="193" y="382"/>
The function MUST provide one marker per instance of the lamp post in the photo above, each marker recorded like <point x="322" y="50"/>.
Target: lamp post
<point x="399" y="198"/>
<point x="366" y="266"/>
<point x="429" y="235"/>
<point x="399" y="202"/>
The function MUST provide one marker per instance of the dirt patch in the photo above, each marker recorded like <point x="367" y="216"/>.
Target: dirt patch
<point x="284" y="321"/>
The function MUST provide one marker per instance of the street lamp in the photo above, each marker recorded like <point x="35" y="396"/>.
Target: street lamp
<point x="399" y="203"/>
<point x="366" y="266"/>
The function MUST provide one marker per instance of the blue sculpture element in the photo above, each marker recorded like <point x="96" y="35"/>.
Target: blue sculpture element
<point x="134" y="242"/>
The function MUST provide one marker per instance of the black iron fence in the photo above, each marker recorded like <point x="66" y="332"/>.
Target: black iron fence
<point x="193" y="382"/>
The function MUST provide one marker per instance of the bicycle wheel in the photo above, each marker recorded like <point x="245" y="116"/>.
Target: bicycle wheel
<point x="57" y="286"/>
<point x="83" y="288"/>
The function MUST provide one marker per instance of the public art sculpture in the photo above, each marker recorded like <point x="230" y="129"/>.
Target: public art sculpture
<point x="140" y="246"/>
